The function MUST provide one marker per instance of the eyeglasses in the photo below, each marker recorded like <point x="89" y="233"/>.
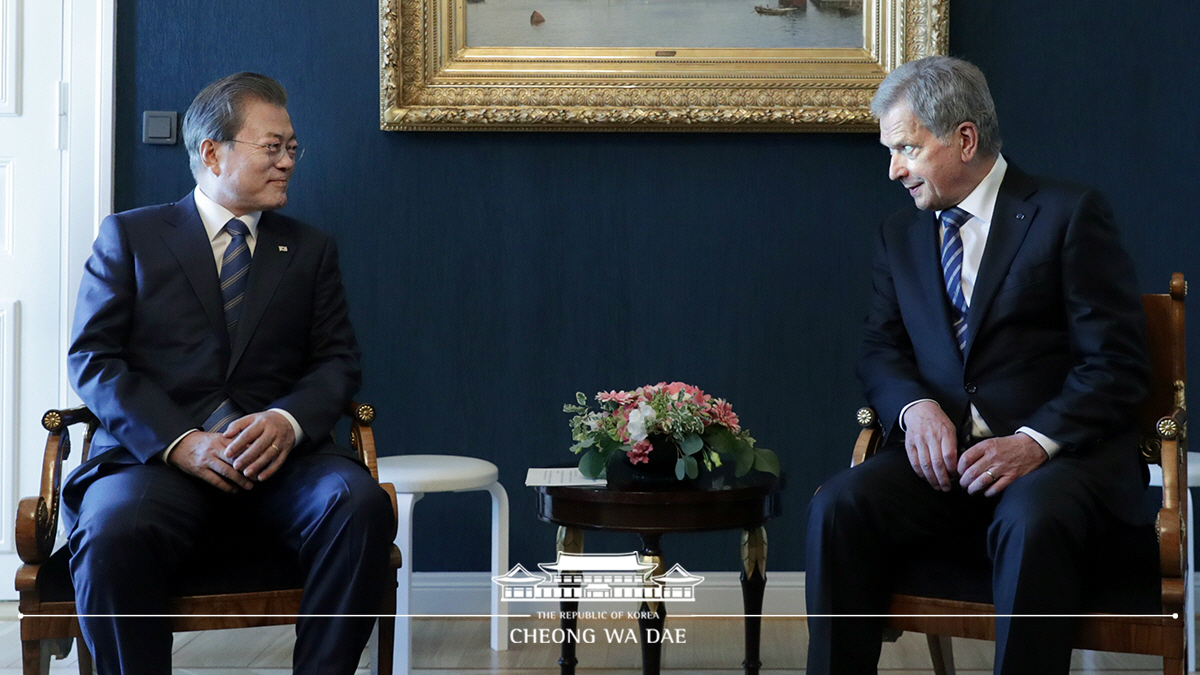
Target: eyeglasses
<point x="276" y="150"/>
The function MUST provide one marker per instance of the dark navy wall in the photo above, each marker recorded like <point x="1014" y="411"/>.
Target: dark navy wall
<point x="492" y="275"/>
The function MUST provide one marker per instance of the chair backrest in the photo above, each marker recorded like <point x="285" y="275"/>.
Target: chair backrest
<point x="1166" y="341"/>
<point x="1162" y="416"/>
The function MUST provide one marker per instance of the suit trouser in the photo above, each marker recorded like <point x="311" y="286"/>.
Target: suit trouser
<point x="138" y="523"/>
<point x="1035" y="533"/>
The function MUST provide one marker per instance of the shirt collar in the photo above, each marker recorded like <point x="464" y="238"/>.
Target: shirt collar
<point x="214" y="216"/>
<point x="982" y="200"/>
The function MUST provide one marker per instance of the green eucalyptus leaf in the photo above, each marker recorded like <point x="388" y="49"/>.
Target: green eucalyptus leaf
<point x="692" y="443"/>
<point x="765" y="460"/>
<point x="609" y="444"/>
<point x="740" y="444"/>
<point x="680" y="468"/>
<point x="719" y="438"/>
<point x="745" y="461"/>
<point x="693" y="469"/>
<point x="593" y="463"/>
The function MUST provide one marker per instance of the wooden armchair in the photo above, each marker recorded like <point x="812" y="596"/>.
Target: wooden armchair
<point x="267" y="593"/>
<point x="1143" y="589"/>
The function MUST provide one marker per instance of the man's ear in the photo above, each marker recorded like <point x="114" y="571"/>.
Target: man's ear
<point x="210" y="157"/>
<point x="967" y="135"/>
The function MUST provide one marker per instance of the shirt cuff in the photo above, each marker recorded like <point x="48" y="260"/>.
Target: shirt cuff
<point x="295" y="425"/>
<point x="905" y="409"/>
<point x="167" y="453"/>
<point x="1048" y="444"/>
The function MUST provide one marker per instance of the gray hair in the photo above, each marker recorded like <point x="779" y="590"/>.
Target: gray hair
<point x="218" y="111"/>
<point x="943" y="92"/>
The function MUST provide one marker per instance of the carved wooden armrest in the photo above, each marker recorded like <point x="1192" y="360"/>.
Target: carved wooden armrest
<point x="1172" y="517"/>
<point x="362" y="439"/>
<point x="870" y="438"/>
<point x="37" y="517"/>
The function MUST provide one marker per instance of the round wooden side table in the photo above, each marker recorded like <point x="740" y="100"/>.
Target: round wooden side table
<point x="744" y="504"/>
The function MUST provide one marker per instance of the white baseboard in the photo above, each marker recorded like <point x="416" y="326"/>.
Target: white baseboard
<point x="719" y="593"/>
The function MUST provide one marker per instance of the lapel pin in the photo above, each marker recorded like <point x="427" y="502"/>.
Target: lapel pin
<point x="283" y="249"/>
<point x="1020" y="216"/>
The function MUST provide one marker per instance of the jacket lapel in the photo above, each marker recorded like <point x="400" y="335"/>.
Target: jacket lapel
<point x="927" y="263"/>
<point x="188" y="241"/>
<point x="1010" y="222"/>
<point x="272" y="255"/>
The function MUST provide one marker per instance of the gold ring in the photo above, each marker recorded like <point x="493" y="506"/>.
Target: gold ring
<point x="274" y="447"/>
<point x="989" y="472"/>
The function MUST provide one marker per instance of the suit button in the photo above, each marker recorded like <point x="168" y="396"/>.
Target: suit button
<point x="971" y="388"/>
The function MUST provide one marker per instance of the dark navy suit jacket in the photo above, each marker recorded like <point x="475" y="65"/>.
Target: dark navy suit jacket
<point x="1055" y="337"/>
<point x="151" y="356"/>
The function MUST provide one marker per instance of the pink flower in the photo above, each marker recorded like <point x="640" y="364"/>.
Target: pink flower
<point x="640" y="452"/>
<point x="620" y="397"/>
<point x="681" y="391"/>
<point x="722" y="413"/>
<point x="648" y="391"/>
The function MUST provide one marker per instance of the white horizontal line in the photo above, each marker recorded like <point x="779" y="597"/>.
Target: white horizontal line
<point x="677" y="616"/>
<point x="918" y="616"/>
<point x="21" y="615"/>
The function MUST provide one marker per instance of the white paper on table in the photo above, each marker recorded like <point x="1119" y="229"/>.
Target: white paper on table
<point x="560" y="476"/>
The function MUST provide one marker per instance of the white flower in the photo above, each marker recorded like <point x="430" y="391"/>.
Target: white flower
<point x="639" y="420"/>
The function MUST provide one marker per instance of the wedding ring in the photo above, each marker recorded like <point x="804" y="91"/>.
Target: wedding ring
<point x="275" y="447"/>
<point x="989" y="472"/>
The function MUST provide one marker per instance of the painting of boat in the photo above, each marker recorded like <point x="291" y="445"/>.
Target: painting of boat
<point x="776" y="11"/>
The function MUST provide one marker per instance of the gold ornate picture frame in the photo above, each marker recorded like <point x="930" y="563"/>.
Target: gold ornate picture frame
<point x="431" y="79"/>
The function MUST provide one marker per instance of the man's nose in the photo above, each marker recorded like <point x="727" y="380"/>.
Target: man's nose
<point x="897" y="169"/>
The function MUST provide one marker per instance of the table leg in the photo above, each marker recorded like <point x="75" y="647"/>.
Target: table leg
<point x="570" y="540"/>
<point x="652" y="615"/>
<point x="754" y="582"/>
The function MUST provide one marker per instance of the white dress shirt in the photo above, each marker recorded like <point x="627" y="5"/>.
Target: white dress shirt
<point x="981" y="204"/>
<point x="214" y="216"/>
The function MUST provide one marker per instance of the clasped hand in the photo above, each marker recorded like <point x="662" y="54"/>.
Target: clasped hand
<point x="991" y="465"/>
<point x="251" y="450"/>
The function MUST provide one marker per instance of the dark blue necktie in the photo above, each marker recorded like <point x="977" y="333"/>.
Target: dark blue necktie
<point x="952" y="261"/>
<point x="235" y="273"/>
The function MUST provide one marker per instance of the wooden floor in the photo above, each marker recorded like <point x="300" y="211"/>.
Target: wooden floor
<point x="459" y="647"/>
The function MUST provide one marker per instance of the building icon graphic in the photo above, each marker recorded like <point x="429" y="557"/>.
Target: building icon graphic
<point x="598" y="576"/>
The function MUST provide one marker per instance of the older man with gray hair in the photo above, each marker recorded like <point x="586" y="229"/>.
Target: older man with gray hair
<point x="1004" y="352"/>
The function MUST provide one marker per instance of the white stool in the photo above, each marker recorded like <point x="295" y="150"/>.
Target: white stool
<point x="415" y="476"/>
<point x="1189" y="589"/>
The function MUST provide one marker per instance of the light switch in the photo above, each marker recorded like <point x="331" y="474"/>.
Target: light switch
<point x="158" y="127"/>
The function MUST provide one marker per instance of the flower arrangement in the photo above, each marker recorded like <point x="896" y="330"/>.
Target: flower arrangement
<point x="680" y="417"/>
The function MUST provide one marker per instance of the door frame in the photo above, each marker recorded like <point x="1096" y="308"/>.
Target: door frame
<point x="86" y="136"/>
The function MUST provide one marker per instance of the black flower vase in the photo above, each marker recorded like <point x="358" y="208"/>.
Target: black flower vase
<point x="658" y="473"/>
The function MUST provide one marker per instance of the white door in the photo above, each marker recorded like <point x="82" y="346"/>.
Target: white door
<point x="55" y="181"/>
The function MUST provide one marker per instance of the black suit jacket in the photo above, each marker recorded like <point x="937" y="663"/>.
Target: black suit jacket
<point x="151" y="356"/>
<point x="1055" y="337"/>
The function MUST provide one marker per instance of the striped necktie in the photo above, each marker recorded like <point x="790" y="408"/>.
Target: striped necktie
<point x="952" y="261"/>
<point x="235" y="273"/>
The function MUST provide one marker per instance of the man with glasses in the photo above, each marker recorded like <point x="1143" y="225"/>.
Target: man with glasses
<point x="212" y="340"/>
<point x="1004" y="351"/>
